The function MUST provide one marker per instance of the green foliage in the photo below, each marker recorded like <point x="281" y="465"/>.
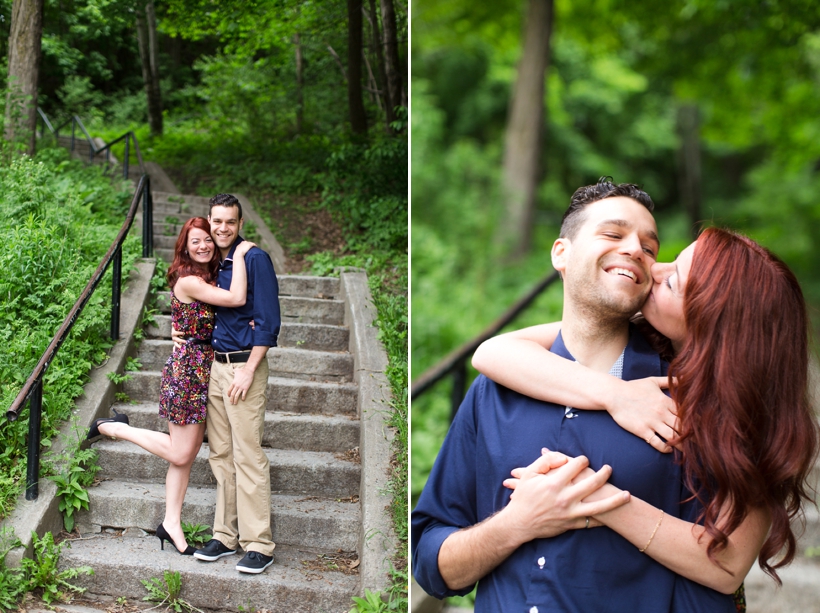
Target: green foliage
<point x="73" y="471"/>
<point x="11" y="585"/>
<point x="58" y="218"/>
<point x="167" y="592"/>
<point x="371" y="603"/>
<point x="196" y="534"/>
<point x="42" y="574"/>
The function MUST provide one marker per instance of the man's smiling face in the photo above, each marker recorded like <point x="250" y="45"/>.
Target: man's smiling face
<point x="607" y="264"/>
<point x="225" y="226"/>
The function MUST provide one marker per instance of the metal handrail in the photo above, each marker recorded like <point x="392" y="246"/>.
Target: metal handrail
<point x="455" y="362"/>
<point x="75" y="121"/>
<point x="33" y="388"/>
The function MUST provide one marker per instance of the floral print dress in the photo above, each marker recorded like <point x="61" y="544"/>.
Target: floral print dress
<point x="183" y="391"/>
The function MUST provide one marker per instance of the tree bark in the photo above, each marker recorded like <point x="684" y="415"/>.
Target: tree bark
<point x="147" y="38"/>
<point x="689" y="184"/>
<point x="381" y="75"/>
<point x="25" y="40"/>
<point x="523" y="140"/>
<point x="300" y="103"/>
<point x="358" y="118"/>
<point x="391" y="56"/>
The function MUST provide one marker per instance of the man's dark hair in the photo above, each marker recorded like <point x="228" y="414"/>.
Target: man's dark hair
<point x="604" y="188"/>
<point x="225" y="200"/>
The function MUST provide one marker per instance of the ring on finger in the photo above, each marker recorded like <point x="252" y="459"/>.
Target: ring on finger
<point x="651" y="437"/>
<point x="587" y="526"/>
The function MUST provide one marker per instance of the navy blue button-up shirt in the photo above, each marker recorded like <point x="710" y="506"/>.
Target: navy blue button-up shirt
<point x="232" y="331"/>
<point x="579" y="571"/>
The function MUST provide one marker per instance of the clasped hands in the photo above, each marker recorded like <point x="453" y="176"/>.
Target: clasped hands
<point x="557" y="493"/>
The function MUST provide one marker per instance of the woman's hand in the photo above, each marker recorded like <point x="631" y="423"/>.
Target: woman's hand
<point x="243" y="248"/>
<point x="641" y="407"/>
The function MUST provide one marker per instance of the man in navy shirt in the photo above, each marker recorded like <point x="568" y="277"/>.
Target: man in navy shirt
<point x="528" y="553"/>
<point x="237" y="395"/>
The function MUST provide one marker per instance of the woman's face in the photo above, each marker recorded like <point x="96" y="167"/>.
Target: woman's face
<point x="664" y="306"/>
<point x="200" y="246"/>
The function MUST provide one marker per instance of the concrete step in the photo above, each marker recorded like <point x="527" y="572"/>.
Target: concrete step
<point x="295" y="520"/>
<point x="284" y="394"/>
<point x="317" y="337"/>
<point x="305" y="473"/>
<point x="293" y="309"/>
<point x="282" y="430"/>
<point x="322" y="288"/>
<point x="800" y="590"/>
<point x="296" y="582"/>
<point x="183" y="210"/>
<point x="162" y="197"/>
<point x="283" y="361"/>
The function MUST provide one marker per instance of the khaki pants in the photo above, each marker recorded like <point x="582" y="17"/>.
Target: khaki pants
<point x="238" y="461"/>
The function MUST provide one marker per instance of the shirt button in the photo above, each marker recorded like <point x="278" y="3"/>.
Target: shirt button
<point x="533" y="609"/>
<point x="541" y="561"/>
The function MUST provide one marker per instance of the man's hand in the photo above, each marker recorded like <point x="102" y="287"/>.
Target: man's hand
<point x="178" y="337"/>
<point x="548" y="501"/>
<point x="242" y="379"/>
<point x="640" y="407"/>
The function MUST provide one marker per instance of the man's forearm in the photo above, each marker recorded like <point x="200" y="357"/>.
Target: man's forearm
<point x="468" y="555"/>
<point x="258" y="353"/>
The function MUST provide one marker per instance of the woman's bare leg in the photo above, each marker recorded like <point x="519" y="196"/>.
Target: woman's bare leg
<point x="179" y="449"/>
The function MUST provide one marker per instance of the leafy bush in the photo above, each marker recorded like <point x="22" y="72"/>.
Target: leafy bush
<point x="58" y="219"/>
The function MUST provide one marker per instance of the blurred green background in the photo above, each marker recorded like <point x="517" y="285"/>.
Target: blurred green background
<point x="622" y="84"/>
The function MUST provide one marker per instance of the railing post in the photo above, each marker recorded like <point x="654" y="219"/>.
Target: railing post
<point x="125" y="163"/>
<point x="150" y="216"/>
<point x="116" y="278"/>
<point x="34" y="420"/>
<point x="459" y="383"/>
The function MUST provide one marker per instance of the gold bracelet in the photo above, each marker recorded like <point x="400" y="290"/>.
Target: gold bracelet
<point x="658" y="525"/>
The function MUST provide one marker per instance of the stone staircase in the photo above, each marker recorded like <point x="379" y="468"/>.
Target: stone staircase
<point x="311" y="438"/>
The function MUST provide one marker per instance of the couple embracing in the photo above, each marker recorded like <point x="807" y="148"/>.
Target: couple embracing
<point x="685" y="493"/>
<point x="225" y="317"/>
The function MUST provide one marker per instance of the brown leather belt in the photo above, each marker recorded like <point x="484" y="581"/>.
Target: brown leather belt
<point x="232" y="357"/>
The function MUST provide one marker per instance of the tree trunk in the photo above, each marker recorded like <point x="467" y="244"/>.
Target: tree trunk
<point x="689" y="164"/>
<point x="25" y="40"/>
<point x="391" y="56"/>
<point x="381" y="76"/>
<point x="525" y="130"/>
<point x="358" y="119"/>
<point x="300" y="103"/>
<point x="150" y="68"/>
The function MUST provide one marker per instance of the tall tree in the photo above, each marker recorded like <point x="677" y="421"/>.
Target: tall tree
<point x="358" y="118"/>
<point x="24" y="66"/>
<point x="149" y="58"/>
<point x="523" y="139"/>
<point x="688" y="161"/>
<point x="391" y="55"/>
<point x="300" y="102"/>
<point x="378" y="50"/>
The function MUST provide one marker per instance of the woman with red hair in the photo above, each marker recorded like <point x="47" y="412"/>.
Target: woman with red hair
<point x="184" y="384"/>
<point x="731" y="317"/>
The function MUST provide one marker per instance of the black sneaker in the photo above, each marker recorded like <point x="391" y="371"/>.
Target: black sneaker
<point x="213" y="550"/>
<point x="254" y="562"/>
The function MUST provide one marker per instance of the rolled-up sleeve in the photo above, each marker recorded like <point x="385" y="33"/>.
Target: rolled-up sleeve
<point x="448" y="501"/>
<point x="266" y="315"/>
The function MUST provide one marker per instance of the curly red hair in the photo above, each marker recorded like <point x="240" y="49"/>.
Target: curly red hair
<point x="183" y="265"/>
<point x="748" y="433"/>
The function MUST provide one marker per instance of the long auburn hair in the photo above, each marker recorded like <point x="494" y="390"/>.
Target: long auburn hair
<point x="748" y="434"/>
<point x="183" y="265"/>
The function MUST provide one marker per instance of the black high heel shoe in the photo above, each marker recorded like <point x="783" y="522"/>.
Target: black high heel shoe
<point x="162" y="535"/>
<point x="94" y="431"/>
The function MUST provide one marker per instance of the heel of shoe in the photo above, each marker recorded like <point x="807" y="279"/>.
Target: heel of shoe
<point x="161" y="543"/>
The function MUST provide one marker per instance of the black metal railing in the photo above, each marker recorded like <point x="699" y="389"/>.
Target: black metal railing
<point x="455" y="362"/>
<point x="93" y="150"/>
<point x="33" y="388"/>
